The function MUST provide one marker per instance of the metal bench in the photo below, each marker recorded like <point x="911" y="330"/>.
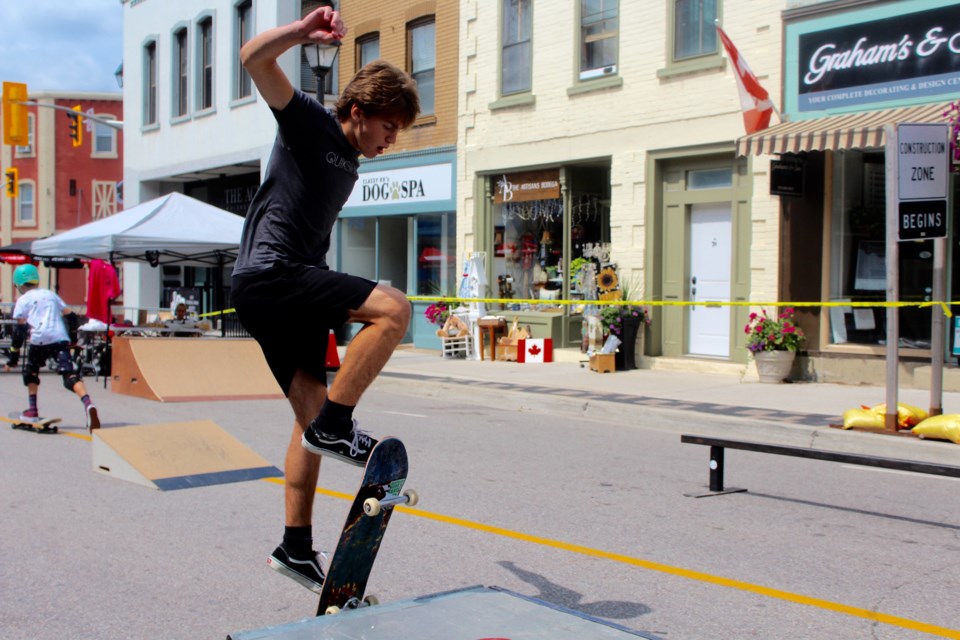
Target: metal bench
<point x="718" y="445"/>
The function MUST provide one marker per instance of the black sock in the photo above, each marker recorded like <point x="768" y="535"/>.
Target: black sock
<point x="335" y="419"/>
<point x="298" y="541"/>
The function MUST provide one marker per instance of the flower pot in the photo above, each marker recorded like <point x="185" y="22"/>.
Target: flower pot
<point x="631" y="338"/>
<point x="774" y="366"/>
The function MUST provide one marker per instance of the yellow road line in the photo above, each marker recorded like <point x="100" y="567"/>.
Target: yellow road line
<point x="778" y="594"/>
<point x="79" y="436"/>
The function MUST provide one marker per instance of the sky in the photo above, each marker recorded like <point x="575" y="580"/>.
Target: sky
<point x="61" y="45"/>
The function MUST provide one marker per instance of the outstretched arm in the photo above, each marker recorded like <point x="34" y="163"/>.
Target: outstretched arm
<point x="259" y="55"/>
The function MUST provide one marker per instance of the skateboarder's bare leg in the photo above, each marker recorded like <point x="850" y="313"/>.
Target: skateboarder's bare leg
<point x="386" y="314"/>
<point x="302" y="468"/>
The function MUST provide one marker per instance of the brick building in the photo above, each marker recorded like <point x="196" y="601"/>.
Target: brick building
<point x="400" y="222"/>
<point x="62" y="186"/>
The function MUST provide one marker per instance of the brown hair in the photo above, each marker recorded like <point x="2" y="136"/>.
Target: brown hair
<point x="381" y="89"/>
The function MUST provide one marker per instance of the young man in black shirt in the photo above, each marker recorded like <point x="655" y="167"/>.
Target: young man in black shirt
<point x="285" y="294"/>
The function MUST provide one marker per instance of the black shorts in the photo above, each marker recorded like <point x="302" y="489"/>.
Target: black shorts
<point x="39" y="354"/>
<point x="290" y="310"/>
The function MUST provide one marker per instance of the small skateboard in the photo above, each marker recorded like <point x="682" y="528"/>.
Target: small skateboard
<point x="37" y="425"/>
<point x="353" y="559"/>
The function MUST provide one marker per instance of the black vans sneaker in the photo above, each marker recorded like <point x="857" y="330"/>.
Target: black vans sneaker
<point x="354" y="447"/>
<point x="306" y="571"/>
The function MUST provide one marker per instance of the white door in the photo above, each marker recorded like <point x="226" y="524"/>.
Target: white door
<point x="710" y="238"/>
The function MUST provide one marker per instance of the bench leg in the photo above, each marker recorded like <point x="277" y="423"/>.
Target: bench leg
<point x="716" y="476"/>
<point x="716" y="468"/>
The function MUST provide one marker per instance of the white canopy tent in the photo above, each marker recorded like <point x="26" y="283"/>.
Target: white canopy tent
<point x="172" y="229"/>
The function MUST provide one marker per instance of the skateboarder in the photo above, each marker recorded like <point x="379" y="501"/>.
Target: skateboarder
<point x="284" y="293"/>
<point x="42" y="314"/>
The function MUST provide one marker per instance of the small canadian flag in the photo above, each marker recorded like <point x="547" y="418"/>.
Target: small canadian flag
<point x="535" y="350"/>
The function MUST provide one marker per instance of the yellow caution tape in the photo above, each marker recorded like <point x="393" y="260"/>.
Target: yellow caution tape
<point x="667" y="303"/>
<point x="689" y="303"/>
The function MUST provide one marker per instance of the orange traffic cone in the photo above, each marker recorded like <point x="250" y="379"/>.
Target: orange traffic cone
<point x="333" y="358"/>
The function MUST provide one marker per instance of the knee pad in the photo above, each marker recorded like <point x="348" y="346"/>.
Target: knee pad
<point x="64" y="362"/>
<point x="30" y="377"/>
<point x="70" y="380"/>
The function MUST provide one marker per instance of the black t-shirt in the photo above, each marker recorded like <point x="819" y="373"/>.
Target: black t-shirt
<point x="310" y="175"/>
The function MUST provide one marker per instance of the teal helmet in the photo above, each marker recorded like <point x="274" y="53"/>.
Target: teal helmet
<point x="24" y="274"/>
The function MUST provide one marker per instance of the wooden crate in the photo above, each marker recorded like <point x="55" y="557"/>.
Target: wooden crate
<point x="602" y="363"/>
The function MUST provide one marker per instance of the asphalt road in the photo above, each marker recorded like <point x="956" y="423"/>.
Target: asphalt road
<point x="587" y="512"/>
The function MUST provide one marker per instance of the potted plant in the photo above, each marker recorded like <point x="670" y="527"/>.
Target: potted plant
<point x="774" y="343"/>
<point x="437" y="313"/>
<point x="625" y="322"/>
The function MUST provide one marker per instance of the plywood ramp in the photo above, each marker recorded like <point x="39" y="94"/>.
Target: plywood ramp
<point x="192" y="369"/>
<point x="176" y="455"/>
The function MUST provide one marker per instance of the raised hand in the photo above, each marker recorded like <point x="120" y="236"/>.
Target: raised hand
<point x="323" y="25"/>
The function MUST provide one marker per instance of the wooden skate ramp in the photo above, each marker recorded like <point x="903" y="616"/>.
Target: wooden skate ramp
<point x="192" y="369"/>
<point x="177" y="455"/>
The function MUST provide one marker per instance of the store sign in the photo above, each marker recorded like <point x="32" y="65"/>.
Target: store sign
<point x="526" y="186"/>
<point x="922" y="180"/>
<point x="429" y="183"/>
<point x="786" y="178"/>
<point x="908" y="56"/>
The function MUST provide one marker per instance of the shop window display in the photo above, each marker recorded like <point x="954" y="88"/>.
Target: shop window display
<point x="529" y="243"/>
<point x="858" y="258"/>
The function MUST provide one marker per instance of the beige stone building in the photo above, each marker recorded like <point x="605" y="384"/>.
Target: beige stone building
<point x="611" y="132"/>
<point x="632" y="112"/>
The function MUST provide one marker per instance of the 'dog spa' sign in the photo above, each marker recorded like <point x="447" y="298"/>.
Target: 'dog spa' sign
<point x="895" y="58"/>
<point x="428" y="183"/>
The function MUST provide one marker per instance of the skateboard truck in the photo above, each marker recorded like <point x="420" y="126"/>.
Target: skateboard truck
<point x="372" y="506"/>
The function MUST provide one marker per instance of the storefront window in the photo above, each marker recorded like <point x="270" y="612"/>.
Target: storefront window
<point x="528" y="235"/>
<point x="857" y="258"/>
<point x="379" y="248"/>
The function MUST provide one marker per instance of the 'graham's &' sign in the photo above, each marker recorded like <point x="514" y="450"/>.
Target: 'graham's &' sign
<point x="906" y="56"/>
<point x="428" y="183"/>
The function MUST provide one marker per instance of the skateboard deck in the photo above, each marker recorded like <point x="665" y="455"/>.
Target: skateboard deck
<point x="353" y="559"/>
<point x="38" y="425"/>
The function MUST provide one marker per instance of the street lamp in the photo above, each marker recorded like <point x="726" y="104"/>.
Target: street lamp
<point x="118" y="74"/>
<point x="320" y="59"/>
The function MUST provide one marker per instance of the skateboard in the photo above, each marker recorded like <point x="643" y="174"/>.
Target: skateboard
<point x="353" y="559"/>
<point x="37" y="425"/>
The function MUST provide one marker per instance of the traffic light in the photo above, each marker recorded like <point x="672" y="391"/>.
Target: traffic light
<point x="76" y="128"/>
<point x="15" y="126"/>
<point x="11" y="186"/>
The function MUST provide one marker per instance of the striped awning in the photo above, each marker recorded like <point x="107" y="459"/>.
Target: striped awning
<point x="853" y="131"/>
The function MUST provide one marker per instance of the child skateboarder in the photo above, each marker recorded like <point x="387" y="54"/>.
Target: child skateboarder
<point x="41" y="314"/>
<point x="285" y="294"/>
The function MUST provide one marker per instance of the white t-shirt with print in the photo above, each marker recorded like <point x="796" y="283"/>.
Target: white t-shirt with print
<point x="43" y="311"/>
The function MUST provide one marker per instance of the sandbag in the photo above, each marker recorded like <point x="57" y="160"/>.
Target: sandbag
<point x="907" y="414"/>
<point x="863" y="419"/>
<point x="945" y="427"/>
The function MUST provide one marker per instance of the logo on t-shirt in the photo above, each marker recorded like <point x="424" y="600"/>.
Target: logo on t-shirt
<point x="344" y="164"/>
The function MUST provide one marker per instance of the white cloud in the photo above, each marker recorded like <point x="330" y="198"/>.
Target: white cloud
<point x="53" y="45"/>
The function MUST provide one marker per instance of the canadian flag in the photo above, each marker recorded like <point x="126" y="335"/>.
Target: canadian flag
<point x="757" y="107"/>
<point x="535" y="350"/>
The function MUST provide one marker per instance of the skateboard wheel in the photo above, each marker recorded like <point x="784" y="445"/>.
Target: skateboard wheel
<point x="371" y="506"/>
<point x="372" y="600"/>
<point x="55" y="429"/>
<point x="332" y="610"/>
<point x="412" y="497"/>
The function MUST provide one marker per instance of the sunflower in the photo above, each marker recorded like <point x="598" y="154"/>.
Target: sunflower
<point x="607" y="280"/>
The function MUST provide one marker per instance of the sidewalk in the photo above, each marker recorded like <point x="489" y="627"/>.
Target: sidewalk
<point x="681" y="386"/>
<point x="797" y="414"/>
